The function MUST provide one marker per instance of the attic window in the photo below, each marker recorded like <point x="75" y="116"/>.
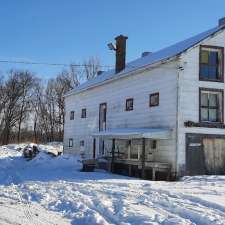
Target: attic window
<point x="211" y="63"/>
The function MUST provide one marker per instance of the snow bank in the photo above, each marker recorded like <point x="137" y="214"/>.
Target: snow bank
<point x="52" y="190"/>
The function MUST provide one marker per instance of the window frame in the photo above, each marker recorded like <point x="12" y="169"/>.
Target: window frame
<point x="221" y="79"/>
<point x="72" y="113"/>
<point x="219" y="91"/>
<point x="70" y="141"/>
<point x="152" y="95"/>
<point x="127" y="101"/>
<point x="83" y="115"/>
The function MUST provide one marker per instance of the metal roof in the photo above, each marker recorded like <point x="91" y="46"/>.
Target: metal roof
<point x="159" y="56"/>
<point x="135" y="133"/>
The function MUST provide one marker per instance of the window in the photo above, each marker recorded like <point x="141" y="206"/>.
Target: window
<point x="154" y="99"/>
<point x="82" y="143"/>
<point x="129" y="104"/>
<point x="153" y="144"/>
<point x="136" y="149"/>
<point x="211" y="63"/>
<point x="83" y="113"/>
<point x="72" y="115"/>
<point x="71" y="142"/>
<point x="211" y="105"/>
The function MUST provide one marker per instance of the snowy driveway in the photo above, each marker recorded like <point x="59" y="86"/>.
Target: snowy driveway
<point x="52" y="191"/>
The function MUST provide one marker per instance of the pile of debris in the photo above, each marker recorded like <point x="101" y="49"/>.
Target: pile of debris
<point x="30" y="151"/>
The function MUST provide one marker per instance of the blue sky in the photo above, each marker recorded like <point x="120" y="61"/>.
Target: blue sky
<point x="65" y="31"/>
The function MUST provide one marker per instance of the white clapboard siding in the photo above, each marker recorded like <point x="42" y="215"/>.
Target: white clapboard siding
<point x="189" y="93"/>
<point x="162" y="79"/>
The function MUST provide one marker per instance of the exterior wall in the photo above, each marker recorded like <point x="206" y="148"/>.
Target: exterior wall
<point x="188" y="95"/>
<point x="162" y="79"/>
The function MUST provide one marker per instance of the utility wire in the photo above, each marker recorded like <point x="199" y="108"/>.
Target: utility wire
<point x="49" y="64"/>
<point x="62" y="64"/>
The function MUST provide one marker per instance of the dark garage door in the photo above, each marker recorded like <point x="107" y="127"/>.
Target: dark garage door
<point x="205" y="155"/>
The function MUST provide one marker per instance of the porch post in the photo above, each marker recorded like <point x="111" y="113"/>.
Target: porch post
<point x="113" y="155"/>
<point x="143" y="159"/>
<point x="94" y="148"/>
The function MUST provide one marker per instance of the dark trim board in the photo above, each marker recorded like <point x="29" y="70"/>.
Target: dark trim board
<point x="207" y="135"/>
<point x="204" y="124"/>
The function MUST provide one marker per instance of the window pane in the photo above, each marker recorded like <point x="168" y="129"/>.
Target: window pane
<point x="213" y="115"/>
<point x="212" y="72"/>
<point x="204" y="71"/>
<point x="204" y="57"/>
<point x="204" y="114"/>
<point x="213" y="100"/>
<point x="213" y="58"/>
<point x="204" y="99"/>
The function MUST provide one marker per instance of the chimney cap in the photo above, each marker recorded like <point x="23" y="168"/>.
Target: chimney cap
<point x="221" y="21"/>
<point x="121" y="37"/>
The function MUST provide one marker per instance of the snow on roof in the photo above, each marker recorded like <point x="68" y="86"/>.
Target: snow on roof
<point x="130" y="133"/>
<point x="161" y="55"/>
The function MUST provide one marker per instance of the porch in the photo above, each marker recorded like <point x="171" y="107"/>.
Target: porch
<point x="131" y="151"/>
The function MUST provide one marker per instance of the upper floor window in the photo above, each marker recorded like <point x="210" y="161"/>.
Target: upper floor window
<point x="211" y="63"/>
<point x="129" y="104"/>
<point x="83" y="113"/>
<point x="72" y="115"/>
<point x="154" y="99"/>
<point x="211" y="105"/>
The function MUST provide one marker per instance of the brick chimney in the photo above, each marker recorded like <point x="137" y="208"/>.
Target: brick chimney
<point x="120" y="53"/>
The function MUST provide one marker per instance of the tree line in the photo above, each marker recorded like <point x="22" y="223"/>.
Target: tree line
<point x="32" y="109"/>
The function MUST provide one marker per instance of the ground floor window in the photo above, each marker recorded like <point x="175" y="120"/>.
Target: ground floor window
<point x="71" y="142"/>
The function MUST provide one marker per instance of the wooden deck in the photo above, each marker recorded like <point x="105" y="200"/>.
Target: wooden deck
<point x="148" y="165"/>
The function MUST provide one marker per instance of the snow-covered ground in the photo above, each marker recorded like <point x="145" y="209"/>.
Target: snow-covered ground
<point x="50" y="190"/>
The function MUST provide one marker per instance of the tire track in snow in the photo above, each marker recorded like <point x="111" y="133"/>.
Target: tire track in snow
<point x="196" y="213"/>
<point x="89" y="190"/>
<point x="93" y="205"/>
<point x="26" y="205"/>
<point x="175" y="205"/>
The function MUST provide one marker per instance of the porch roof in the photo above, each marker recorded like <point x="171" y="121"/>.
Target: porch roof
<point x="135" y="133"/>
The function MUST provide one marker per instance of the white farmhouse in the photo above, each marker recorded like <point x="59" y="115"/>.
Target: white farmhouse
<point x="161" y="112"/>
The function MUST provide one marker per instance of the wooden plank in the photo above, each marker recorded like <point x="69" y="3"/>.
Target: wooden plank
<point x="214" y="149"/>
<point x="113" y="155"/>
<point x="143" y="159"/>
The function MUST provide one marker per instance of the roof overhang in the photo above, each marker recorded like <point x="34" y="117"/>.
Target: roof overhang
<point x="135" y="133"/>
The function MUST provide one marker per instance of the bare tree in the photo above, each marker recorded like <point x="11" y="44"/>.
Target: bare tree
<point x="27" y="82"/>
<point x="91" y="67"/>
